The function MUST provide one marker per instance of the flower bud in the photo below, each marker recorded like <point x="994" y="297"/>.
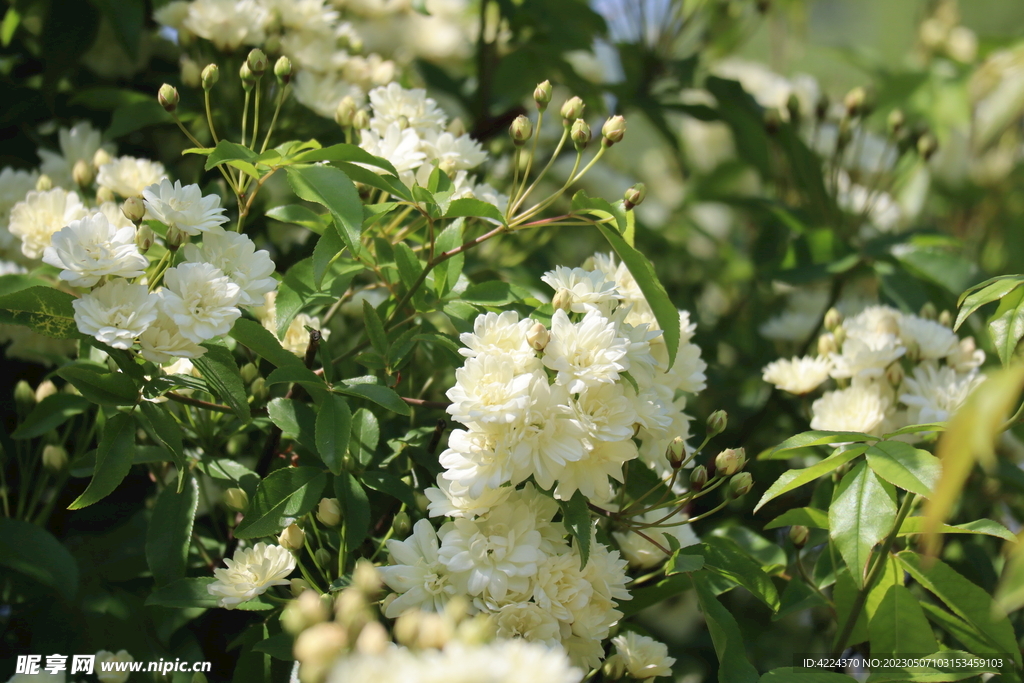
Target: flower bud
<point x="318" y="646"/>
<point x="895" y="121"/>
<point x="562" y="299"/>
<point x="167" y="96"/>
<point x="292" y="538"/>
<point x="298" y="587"/>
<point x="730" y="461"/>
<point x="613" y="130"/>
<point x="104" y="195"/>
<point x="322" y="557"/>
<point x="346" y="111"/>
<point x="927" y="146"/>
<point x="928" y="311"/>
<point x="634" y="196"/>
<point x="134" y="209"/>
<point x="329" y="512"/>
<point x="913" y="353"/>
<point x="572" y="109"/>
<point x="833" y="319"/>
<point x="249" y="372"/>
<point x="580" y="134"/>
<point x="839" y="334"/>
<point x="83" y="173"/>
<point x="352" y="609"/>
<point x="698" y="477"/>
<point x="259" y="390"/>
<point x="247" y="76"/>
<point x="257" y="62"/>
<point x="520" y="130"/>
<point x="401" y="524"/>
<point x="100" y="158"/>
<point x="793" y="108"/>
<point x="457" y="127"/>
<point x="740" y="484"/>
<point x="175" y="237"/>
<point x="361" y="121"/>
<point x="676" y="452"/>
<point x="236" y="499"/>
<point x="55" y="458"/>
<point x="798" y="534"/>
<point x="373" y="639"/>
<point x="367" y="579"/>
<point x="43" y="183"/>
<point x="211" y="74"/>
<point x="945" y="319"/>
<point x="854" y="101"/>
<point x="283" y="70"/>
<point x="894" y="374"/>
<point x="717" y="422"/>
<point x="45" y="388"/>
<point x="24" y="398"/>
<point x="538" y="337"/>
<point x="542" y="95"/>
<point x="305" y="611"/>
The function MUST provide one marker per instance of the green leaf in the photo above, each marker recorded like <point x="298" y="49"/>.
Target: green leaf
<point x="601" y="208"/>
<point x="333" y="428"/>
<point x="379" y="394"/>
<point x="902" y="465"/>
<point x="682" y="564"/>
<point x="861" y="515"/>
<point x="576" y="518"/>
<point x="844" y="594"/>
<point x="943" y="264"/>
<point x="263" y="343"/>
<point x="959" y="629"/>
<point x="287" y="492"/>
<point x="218" y="368"/>
<point x="327" y="249"/>
<point x="821" y="438"/>
<point x="899" y="626"/>
<point x="356" y="508"/>
<point x="724" y="557"/>
<point x="966" y="600"/>
<point x="51" y="412"/>
<point x="986" y="527"/>
<point x="12" y="19"/>
<point x="343" y="152"/>
<point x="792" y="674"/>
<point x="297" y="214"/>
<point x="649" y="595"/>
<point x="657" y="298"/>
<point x="1006" y="325"/>
<point x="917" y="429"/>
<point x="43" y="309"/>
<point x="228" y="151"/>
<point x="474" y="208"/>
<point x="409" y="266"/>
<point x="194" y="592"/>
<point x="375" y="329"/>
<point x="33" y="551"/>
<point x="446" y="273"/>
<point x="164" y="430"/>
<point x="985" y="293"/>
<point x="278" y="647"/>
<point x="365" y="435"/>
<point x="301" y="375"/>
<point x="796" y="478"/>
<point x="733" y="665"/>
<point x="494" y="293"/>
<point x="955" y="671"/>
<point x="332" y="189"/>
<point x="391" y="485"/>
<point x="295" y="419"/>
<point x="170" y="532"/>
<point x="99" y="385"/>
<point x="113" y="460"/>
<point x="808" y="517"/>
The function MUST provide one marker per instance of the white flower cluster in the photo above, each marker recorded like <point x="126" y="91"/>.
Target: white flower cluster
<point x="562" y="405"/>
<point x="502" y="661"/>
<point x="408" y="129"/>
<point x="250" y="573"/>
<point x="309" y="32"/>
<point x="515" y="564"/>
<point x="444" y="33"/>
<point x="892" y="369"/>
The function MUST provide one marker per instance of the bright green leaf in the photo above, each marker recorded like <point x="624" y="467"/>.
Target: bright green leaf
<point x="861" y="515"/>
<point x="287" y="492"/>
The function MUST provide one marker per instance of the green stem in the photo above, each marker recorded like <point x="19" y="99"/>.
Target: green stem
<point x="245" y="117"/>
<point x="273" y="121"/>
<point x="209" y="117"/>
<point x="529" y="164"/>
<point x="547" y="167"/>
<point x="256" y="114"/>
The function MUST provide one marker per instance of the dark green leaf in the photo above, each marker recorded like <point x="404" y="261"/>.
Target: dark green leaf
<point x="278" y="647"/>
<point x="899" y="626"/>
<point x="331" y="188"/>
<point x="808" y="517"/>
<point x="733" y="665"/>
<point x="99" y="385"/>
<point x="31" y="550"/>
<point x="355" y="508"/>
<point x="475" y="208"/>
<point x="365" y="435"/>
<point x="391" y="485"/>
<point x="724" y="557"/>
<point x="295" y="419"/>
<point x="985" y="527"/>
<point x="409" y="266"/>
<point x="297" y="214"/>
<point x="164" y="430"/>
<point x="51" y="412"/>
<point x="494" y="293"/>
<point x="287" y="492"/>
<point x="333" y="427"/>
<point x="379" y="394"/>
<point x="170" y="532"/>
<point x="576" y="518"/>
<point x="193" y="592"/>
<point x="113" y="460"/>
<point x="218" y="368"/>
<point x="44" y="309"/>
<point x="327" y="249"/>
<point x="343" y="152"/>
<point x="228" y="151"/>
<point x="301" y="375"/>
<point x="375" y="329"/>
<point x="262" y="342"/>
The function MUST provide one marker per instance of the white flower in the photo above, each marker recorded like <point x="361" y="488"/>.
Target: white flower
<point x="933" y="340"/>
<point x="640" y="552"/>
<point x="236" y="256"/>
<point x="45" y="676"/>
<point x="604" y="413"/>
<point x="585" y="288"/>
<point x="173" y="14"/>
<point x="587" y="353"/>
<point x="79" y="143"/>
<point x="529" y="621"/>
<point x="416" y="573"/>
<point x="453" y="153"/>
<point x="14" y="185"/>
<point x="112" y="676"/>
<point x="393" y="104"/>
<point x="322" y="92"/>
<point x="201" y="300"/>
<point x="184" y="208"/>
<point x="501" y="334"/>
<point x="866" y="356"/>
<point x="874" y="320"/>
<point x="544" y="438"/>
<point x="296" y="337"/>
<point x="129" y="176"/>
<point x="399" y="146"/>
<point x="477" y="460"/>
<point x="559" y="587"/>
<point x="250" y="573"/>
<point x="163" y="343"/>
<point x="488" y="390"/>
<point x="966" y="356"/>
<point x="590" y="474"/>
<point x="859" y="408"/>
<point x="40" y="214"/>
<point x="933" y="393"/>
<point x="644" y="657"/>
<point x="228" y="23"/>
<point x="797" y="375"/>
<point x="91" y="248"/>
<point x="115" y="313"/>
<point x="452" y="499"/>
<point x="114" y="215"/>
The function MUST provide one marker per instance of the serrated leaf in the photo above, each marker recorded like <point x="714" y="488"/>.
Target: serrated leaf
<point x="51" y="412"/>
<point x="821" y="438"/>
<point x="391" y="485"/>
<point x="576" y="518"/>
<point x="34" y="552"/>
<point x="377" y="393"/>
<point x="902" y="465"/>
<point x="43" y="309"/>
<point x="796" y="478"/>
<point x="301" y="375"/>
<point x="219" y="369"/>
<point x="985" y="293"/>
<point x="263" y="343"/>
<point x="295" y="419"/>
<point x="724" y="557"/>
<point x="601" y="208"/>
<point x="808" y="517"/>
<point x="355" y="508"/>
<point x="899" y="626"/>
<point x="113" y="460"/>
<point x="1007" y="325"/>
<point x="331" y="188"/>
<point x="657" y="298"/>
<point x="228" y="151"/>
<point x="333" y="428"/>
<point x="284" y="493"/>
<point x="861" y="515"/>
<point x="365" y="436"/>
<point x="474" y="208"/>
<point x="986" y="527"/>
<point x="170" y="532"/>
<point x="733" y="665"/>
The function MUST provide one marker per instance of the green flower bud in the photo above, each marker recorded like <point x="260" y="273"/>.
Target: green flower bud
<point x="927" y="145"/>
<point x="946" y="319"/>
<point x="895" y="374"/>
<point x="717" y="422"/>
<point x="83" y="173"/>
<point x="322" y="557"/>
<point x="329" y="512"/>
<point x="635" y="196"/>
<point x="740" y="484"/>
<point x="572" y="109"/>
<point x="292" y="538"/>
<point x="613" y="130"/>
<point x="175" y="237"/>
<point x="520" y="130"/>
<point x="793" y="108"/>
<point x="167" y="96"/>
<point x="839" y="334"/>
<point x="402" y="524"/>
<point x="895" y="121"/>
<point x="247" y="76"/>
<point x="305" y="611"/>
<point x="134" y="209"/>
<point x="854" y="101"/>
<point x="366" y="578"/>
<point x="676" y="452"/>
<point x="258" y="389"/>
<point x="346" y="111"/>
<point x="827" y="344"/>
<point x="798" y="534"/>
<point x="698" y="477"/>
<point x="211" y="74"/>
<point x="236" y="499"/>
<point x="580" y="134"/>
<point x="44" y="184"/>
<point x="361" y="121"/>
<point x="928" y="311"/>
<point x="772" y="120"/>
<point x="24" y="398"/>
<point x="144" y="237"/>
<point x="283" y="70"/>
<point x="821" y="107"/>
<point x="55" y="458"/>
<point x="257" y="62"/>
<point x="833" y="319"/>
<point x="249" y="372"/>
<point x="542" y="95"/>
<point x="730" y="461"/>
<point x="298" y="587"/>
<point x="100" y="158"/>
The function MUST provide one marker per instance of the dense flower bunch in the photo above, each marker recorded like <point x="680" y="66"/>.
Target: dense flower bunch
<point x="892" y="369"/>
